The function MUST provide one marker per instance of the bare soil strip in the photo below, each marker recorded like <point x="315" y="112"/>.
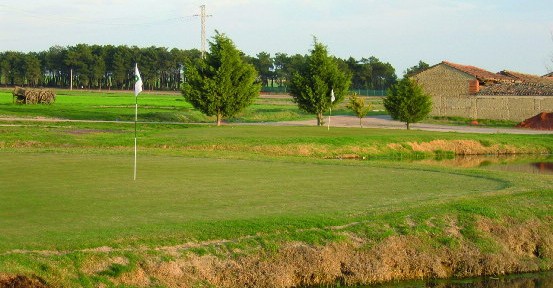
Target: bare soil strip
<point x="383" y="122"/>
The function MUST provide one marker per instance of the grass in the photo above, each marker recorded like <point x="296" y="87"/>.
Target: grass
<point x="110" y="106"/>
<point x="171" y="107"/>
<point x="154" y="107"/>
<point x="460" y="121"/>
<point x="252" y="141"/>
<point x="70" y="202"/>
<point x="67" y="189"/>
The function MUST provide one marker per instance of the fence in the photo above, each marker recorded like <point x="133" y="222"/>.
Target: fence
<point x="368" y="92"/>
<point x="360" y="92"/>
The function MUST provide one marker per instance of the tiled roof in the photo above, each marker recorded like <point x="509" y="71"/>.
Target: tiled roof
<point x="479" y="73"/>
<point x="518" y="89"/>
<point x="508" y="83"/>
<point x="521" y="77"/>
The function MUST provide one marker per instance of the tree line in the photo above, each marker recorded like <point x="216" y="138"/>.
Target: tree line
<point x="223" y="83"/>
<point x="111" y="67"/>
<point x="95" y="67"/>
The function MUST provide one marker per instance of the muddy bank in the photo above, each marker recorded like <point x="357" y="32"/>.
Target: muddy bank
<point x="502" y="247"/>
<point x="21" y="282"/>
<point x="517" y="248"/>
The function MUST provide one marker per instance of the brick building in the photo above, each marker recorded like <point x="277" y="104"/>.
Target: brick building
<point x="472" y="92"/>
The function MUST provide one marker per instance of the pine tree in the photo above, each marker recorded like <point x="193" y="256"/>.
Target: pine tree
<point x="407" y="102"/>
<point x="221" y="85"/>
<point x="312" y="84"/>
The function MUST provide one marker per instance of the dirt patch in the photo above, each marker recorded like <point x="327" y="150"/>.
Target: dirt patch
<point x="542" y="121"/>
<point x="19" y="281"/>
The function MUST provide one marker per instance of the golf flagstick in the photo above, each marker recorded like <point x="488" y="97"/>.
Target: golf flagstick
<point x="332" y="98"/>
<point x="137" y="90"/>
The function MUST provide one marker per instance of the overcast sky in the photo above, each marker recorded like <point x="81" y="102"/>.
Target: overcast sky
<point x="491" y="34"/>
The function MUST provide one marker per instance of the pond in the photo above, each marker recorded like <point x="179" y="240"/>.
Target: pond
<point x="530" y="280"/>
<point x="544" y="279"/>
<point x="513" y="163"/>
<point x="532" y="164"/>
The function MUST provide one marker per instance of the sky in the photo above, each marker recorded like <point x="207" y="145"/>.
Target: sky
<point x="493" y="34"/>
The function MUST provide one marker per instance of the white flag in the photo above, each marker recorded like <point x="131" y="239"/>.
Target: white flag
<point x="332" y="98"/>
<point x="137" y="81"/>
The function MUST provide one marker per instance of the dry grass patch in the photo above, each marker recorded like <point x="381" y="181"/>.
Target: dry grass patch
<point x="350" y="262"/>
<point x="303" y="150"/>
<point x="136" y="278"/>
<point x="26" y="144"/>
<point x="469" y="147"/>
<point x="529" y="239"/>
<point x="98" y="263"/>
<point x="459" y="147"/>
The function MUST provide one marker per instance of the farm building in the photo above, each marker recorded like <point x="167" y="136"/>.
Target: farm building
<point x="472" y="92"/>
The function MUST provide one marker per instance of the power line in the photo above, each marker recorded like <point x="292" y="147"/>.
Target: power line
<point x="203" y="16"/>
<point x="119" y="21"/>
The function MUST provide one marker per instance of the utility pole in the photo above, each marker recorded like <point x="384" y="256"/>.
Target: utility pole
<point x="202" y="18"/>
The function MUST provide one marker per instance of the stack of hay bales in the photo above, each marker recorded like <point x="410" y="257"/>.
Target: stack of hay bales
<point x="33" y="96"/>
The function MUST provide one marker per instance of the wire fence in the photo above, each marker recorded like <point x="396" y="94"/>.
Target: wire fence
<point x="368" y="92"/>
<point x="360" y="92"/>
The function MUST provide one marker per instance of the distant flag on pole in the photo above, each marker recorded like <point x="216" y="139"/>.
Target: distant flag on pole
<point x="137" y="90"/>
<point x="137" y="81"/>
<point x="332" y="98"/>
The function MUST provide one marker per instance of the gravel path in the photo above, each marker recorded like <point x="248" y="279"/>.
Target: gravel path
<point x="382" y="121"/>
<point x="386" y="122"/>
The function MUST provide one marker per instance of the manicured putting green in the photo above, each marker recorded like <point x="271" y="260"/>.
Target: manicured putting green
<point x="68" y="201"/>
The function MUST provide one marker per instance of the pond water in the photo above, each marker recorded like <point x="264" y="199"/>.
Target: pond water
<point x="544" y="279"/>
<point x="532" y="280"/>
<point x="514" y="163"/>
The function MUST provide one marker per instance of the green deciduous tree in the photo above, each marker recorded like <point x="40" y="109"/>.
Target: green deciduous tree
<point x="222" y="84"/>
<point x="407" y="102"/>
<point x="416" y="69"/>
<point x="312" y="83"/>
<point x="31" y="68"/>
<point x="264" y="66"/>
<point x="359" y="107"/>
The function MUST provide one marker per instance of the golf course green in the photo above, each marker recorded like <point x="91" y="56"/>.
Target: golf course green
<point x="257" y="205"/>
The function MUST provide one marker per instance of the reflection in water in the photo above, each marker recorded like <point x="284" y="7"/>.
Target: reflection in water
<point x="515" y="163"/>
<point x="514" y="281"/>
<point x="544" y="167"/>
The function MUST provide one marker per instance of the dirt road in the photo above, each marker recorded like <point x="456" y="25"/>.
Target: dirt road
<point x="386" y="122"/>
<point x="382" y="121"/>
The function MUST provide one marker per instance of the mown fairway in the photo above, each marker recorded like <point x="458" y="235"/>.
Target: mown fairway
<point x="118" y="106"/>
<point x="156" y="107"/>
<point x="67" y="201"/>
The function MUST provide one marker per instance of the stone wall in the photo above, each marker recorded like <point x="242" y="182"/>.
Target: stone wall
<point x="449" y="89"/>
<point x="515" y="108"/>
